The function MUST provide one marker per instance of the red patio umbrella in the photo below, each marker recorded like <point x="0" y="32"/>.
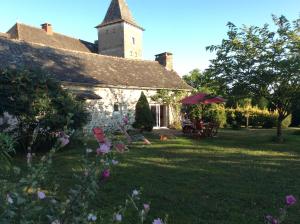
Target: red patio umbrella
<point x="202" y="98"/>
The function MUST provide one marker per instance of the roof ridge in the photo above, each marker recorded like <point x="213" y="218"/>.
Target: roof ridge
<point x="60" y="34"/>
<point x="82" y="52"/>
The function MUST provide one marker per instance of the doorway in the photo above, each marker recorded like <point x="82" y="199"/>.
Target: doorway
<point x="160" y="115"/>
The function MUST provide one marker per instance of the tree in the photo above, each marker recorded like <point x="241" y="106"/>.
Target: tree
<point x="204" y="82"/>
<point x="143" y="117"/>
<point x="40" y="105"/>
<point x="257" y="62"/>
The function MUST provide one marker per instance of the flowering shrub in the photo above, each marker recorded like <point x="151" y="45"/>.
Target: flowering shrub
<point x="37" y="196"/>
<point x="290" y="200"/>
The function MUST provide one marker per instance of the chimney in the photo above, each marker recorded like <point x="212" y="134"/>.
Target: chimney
<point x="166" y="60"/>
<point x="47" y="27"/>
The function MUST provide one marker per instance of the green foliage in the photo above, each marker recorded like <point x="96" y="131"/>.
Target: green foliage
<point x="35" y="194"/>
<point x="215" y="113"/>
<point x="6" y="148"/>
<point x="143" y="116"/>
<point x="257" y="62"/>
<point x="204" y="82"/>
<point x="287" y="121"/>
<point x="38" y="102"/>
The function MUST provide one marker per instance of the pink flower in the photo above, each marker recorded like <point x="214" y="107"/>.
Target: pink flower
<point x="120" y="148"/>
<point x="41" y="195"/>
<point x="104" y="149"/>
<point x="146" y="208"/>
<point x="126" y="120"/>
<point x="108" y="143"/>
<point x="158" y="221"/>
<point x="99" y="135"/>
<point x="105" y="174"/>
<point x="290" y="200"/>
<point x="275" y="221"/>
<point x="64" y="139"/>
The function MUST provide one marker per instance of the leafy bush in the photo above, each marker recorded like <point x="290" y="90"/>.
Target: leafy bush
<point x="6" y="147"/>
<point x="215" y="113"/>
<point x="40" y="105"/>
<point x="143" y="116"/>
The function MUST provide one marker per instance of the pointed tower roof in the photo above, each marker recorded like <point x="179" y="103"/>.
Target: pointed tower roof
<point x="118" y="11"/>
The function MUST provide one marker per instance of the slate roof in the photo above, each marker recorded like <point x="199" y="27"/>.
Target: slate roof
<point x="87" y="68"/>
<point x="35" y="35"/>
<point x="118" y="11"/>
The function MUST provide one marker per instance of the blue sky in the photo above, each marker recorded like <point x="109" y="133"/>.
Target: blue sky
<point x="183" y="27"/>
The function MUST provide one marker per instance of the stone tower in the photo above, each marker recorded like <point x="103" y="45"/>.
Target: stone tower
<point x="119" y="34"/>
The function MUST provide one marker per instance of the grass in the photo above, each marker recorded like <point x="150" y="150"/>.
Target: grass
<point x="236" y="178"/>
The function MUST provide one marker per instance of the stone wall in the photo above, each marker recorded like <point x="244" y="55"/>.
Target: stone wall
<point x="133" y="42"/>
<point x="121" y="40"/>
<point x="103" y="112"/>
<point x="111" y="40"/>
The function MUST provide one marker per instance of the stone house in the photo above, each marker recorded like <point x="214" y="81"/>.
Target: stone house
<point x="110" y="73"/>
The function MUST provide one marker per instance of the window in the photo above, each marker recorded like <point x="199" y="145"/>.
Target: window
<point x="133" y="40"/>
<point x="116" y="108"/>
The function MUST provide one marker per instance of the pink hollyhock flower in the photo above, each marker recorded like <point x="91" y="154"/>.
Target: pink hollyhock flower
<point x="108" y="143"/>
<point x="99" y="135"/>
<point x="146" y="207"/>
<point x="290" y="200"/>
<point x="64" y="140"/>
<point x="105" y="174"/>
<point x="158" y="221"/>
<point x="120" y="148"/>
<point x="41" y="195"/>
<point x="275" y="221"/>
<point x="104" y="149"/>
<point x="126" y="120"/>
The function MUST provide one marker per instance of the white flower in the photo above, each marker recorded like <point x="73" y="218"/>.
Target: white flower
<point x="9" y="199"/>
<point x="41" y="195"/>
<point x="55" y="222"/>
<point x="115" y="162"/>
<point x="89" y="151"/>
<point x="158" y="221"/>
<point x="29" y="158"/>
<point x="135" y="193"/>
<point x="92" y="218"/>
<point x="118" y="217"/>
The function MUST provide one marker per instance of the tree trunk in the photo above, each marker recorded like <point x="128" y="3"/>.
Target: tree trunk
<point x="247" y="122"/>
<point x="279" y="129"/>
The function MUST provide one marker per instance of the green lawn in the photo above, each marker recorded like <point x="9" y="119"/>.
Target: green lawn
<point x="236" y="178"/>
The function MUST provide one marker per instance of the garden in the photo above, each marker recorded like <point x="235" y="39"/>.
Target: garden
<point x="249" y="172"/>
